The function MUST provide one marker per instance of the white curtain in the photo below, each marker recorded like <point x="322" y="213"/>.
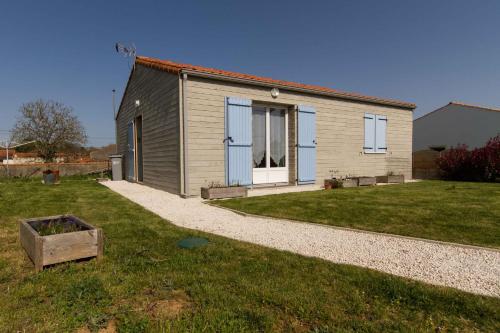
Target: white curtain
<point x="259" y="137"/>
<point x="277" y="140"/>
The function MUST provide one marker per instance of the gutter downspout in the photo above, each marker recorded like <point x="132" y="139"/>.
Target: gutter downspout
<point x="185" y="193"/>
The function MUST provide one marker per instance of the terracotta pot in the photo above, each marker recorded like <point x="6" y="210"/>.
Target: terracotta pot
<point x="56" y="175"/>
<point x="50" y="177"/>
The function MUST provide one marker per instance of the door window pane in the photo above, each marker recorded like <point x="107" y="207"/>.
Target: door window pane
<point x="259" y="137"/>
<point x="277" y="139"/>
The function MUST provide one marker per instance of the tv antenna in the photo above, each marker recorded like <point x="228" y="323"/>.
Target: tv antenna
<point x="127" y="50"/>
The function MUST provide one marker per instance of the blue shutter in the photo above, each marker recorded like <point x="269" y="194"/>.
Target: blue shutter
<point x="306" y="152"/>
<point x="369" y="146"/>
<point x="380" y="134"/>
<point x="238" y="141"/>
<point x="130" y="152"/>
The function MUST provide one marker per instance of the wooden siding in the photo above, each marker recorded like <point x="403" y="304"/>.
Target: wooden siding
<point x="340" y="132"/>
<point x="158" y="93"/>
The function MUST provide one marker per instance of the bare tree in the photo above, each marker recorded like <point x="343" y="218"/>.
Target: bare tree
<point x="51" y="124"/>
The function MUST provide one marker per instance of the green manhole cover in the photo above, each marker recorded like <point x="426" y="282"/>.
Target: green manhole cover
<point x="192" y="242"/>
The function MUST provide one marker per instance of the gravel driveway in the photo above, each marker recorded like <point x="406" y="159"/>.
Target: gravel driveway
<point x="470" y="269"/>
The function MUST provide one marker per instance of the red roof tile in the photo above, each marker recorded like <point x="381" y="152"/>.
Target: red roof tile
<point x="176" y="68"/>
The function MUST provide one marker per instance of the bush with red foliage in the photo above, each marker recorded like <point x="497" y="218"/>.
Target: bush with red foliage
<point x="480" y="164"/>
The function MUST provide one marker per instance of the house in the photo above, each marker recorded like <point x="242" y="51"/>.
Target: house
<point x="102" y="153"/>
<point x="3" y="155"/>
<point x="19" y="158"/>
<point x="453" y="124"/>
<point x="181" y="127"/>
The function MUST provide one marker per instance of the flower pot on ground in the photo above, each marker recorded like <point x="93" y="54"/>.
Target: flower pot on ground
<point x="367" y="181"/>
<point x="221" y="192"/>
<point x="51" y="177"/>
<point x="350" y="182"/>
<point x="55" y="239"/>
<point x="391" y="179"/>
<point x="333" y="183"/>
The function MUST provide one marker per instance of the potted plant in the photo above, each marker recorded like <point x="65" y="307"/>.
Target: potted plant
<point x="345" y="181"/>
<point x="328" y="184"/>
<point x="350" y="182"/>
<point x="50" y="177"/>
<point x="55" y="239"/>
<point x="340" y="182"/>
<point x="366" y="181"/>
<point x="216" y="190"/>
<point x="333" y="183"/>
<point x="391" y="178"/>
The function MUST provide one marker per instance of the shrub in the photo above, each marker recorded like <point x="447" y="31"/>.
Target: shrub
<point x="486" y="160"/>
<point x="480" y="164"/>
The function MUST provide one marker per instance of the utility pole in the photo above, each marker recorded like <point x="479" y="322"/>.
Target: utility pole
<point x="8" y="171"/>
<point x="114" y="118"/>
<point x="114" y="105"/>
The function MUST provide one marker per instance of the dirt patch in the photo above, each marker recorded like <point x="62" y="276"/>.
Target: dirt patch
<point x="110" y="328"/>
<point x="291" y="324"/>
<point x="169" y="308"/>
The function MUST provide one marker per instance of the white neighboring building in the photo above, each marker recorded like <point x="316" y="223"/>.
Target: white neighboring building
<point x="26" y="158"/>
<point x="456" y="123"/>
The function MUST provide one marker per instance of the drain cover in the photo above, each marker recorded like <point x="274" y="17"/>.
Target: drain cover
<point x="192" y="242"/>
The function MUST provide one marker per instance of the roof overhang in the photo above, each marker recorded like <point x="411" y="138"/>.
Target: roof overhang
<point x="339" y="95"/>
<point x="177" y="68"/>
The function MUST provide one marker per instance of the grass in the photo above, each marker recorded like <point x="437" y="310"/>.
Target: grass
<point x="146" y="283"/>
<point x="57" y="226"/>
<point x="467" y="213"/>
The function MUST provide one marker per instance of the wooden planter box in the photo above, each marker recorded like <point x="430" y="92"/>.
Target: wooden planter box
<point x="391" y="179"/>
<point x="366" y="181"/>
<point x="332" y="183"/>
<point x="223" y="192"/>
<point x="351" y="182"/>
<point x="61" y="247"/>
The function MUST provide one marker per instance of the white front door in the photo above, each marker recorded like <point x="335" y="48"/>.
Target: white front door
<point x="270" y="144"/>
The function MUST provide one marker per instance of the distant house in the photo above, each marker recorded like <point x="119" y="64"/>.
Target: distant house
<point x="27" y="158"/>
<point x="102" y="154"/>
<point x="453" y="124"/>
<point x="3" y="155"/>
<point x="181" y="127"/>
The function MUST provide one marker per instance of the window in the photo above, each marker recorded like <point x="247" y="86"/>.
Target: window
<point x="277" y="138"/>
<point x="375" y="133"/>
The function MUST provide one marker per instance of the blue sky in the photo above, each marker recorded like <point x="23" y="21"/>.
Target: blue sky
<point x="426" y="52"/>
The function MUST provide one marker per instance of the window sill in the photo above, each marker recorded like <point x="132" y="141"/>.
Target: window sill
<point x="375" y="152"/>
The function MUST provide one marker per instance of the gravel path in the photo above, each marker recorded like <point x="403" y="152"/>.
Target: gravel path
<point x="470" y="269"/>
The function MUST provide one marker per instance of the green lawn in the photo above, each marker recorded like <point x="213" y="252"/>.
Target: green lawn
<point x="146" y="283"/>
<point x="467" y="213"/>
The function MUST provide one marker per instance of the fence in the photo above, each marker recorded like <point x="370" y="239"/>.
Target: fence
<point x="65" y="169"/>
<point x="424" y="164"/>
